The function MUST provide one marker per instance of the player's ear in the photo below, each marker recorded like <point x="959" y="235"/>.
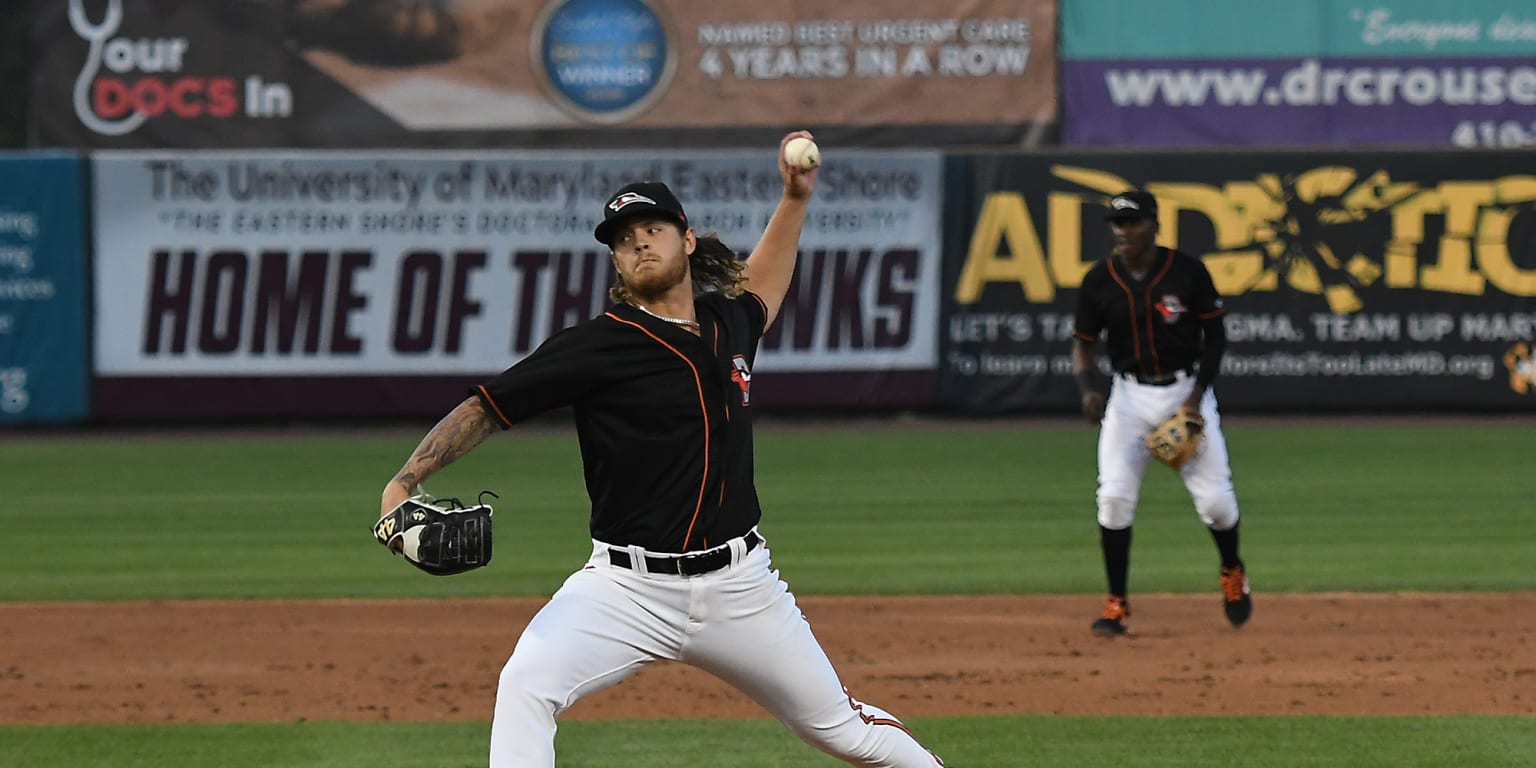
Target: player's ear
<point x="690" y="242"/>
<point x="618" y="272"/>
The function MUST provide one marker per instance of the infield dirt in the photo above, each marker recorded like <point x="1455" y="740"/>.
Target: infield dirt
<point x="272" y="661"/>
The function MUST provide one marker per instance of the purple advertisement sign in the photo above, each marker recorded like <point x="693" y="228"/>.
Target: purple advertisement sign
<point x="1466" y="102"/>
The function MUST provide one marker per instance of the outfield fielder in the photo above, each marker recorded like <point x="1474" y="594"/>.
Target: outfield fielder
<point x="660" y="385"/>
<point x="1162" y="318"/>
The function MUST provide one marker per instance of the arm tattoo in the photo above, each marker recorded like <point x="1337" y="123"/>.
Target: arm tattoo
<point x="461" y="430"/>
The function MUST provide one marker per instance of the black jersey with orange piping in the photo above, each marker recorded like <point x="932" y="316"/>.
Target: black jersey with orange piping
<point x="663" y="418"/>
<point x="1157" y="324"/>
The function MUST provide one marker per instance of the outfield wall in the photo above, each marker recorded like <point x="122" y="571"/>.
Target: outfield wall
<point x="1201" y="73"/>
<point x="44" y="337"/>
<point x="380" y="284"/>
<point x="470" y="74"/>
<point x="1353" y="281"/>
<point x="146" y="74"/>
<point x="310" y="285"/>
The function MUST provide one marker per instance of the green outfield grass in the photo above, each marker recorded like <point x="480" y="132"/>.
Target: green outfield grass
<point x="931" y="508"/>
<point x="976" y="742"/>
<point x="853" y="510"/>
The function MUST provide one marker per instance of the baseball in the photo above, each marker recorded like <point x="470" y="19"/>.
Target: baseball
<point x="801" y="152"/>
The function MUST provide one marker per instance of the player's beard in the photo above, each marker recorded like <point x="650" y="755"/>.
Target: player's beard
<point x="656" y="283"/>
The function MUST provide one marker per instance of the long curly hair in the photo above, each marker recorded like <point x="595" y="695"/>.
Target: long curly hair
<point x="714" y="266"/>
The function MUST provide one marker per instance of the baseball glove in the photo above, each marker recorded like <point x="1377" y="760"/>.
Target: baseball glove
<point x="441" y="538"/>
<point x="1176" y="440"/>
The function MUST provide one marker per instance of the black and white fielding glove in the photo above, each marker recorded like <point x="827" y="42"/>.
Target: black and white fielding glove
<point x="440" y="537"/>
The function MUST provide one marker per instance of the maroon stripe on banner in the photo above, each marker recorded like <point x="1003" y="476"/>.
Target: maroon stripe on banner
<point x="159" y="398"/>
<point x="844" y="391"/>
<point x="163" y="398"/>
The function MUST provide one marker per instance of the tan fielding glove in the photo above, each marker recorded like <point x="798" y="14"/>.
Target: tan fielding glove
<point x="1176" y="440"/>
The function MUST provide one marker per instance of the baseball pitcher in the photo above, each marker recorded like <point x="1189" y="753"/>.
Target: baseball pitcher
<point x="660" y="390"/>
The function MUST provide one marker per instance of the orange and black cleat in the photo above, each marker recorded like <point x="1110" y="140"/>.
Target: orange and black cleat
<point x="1235" y="599"/>
<point x="1112" y="623"/>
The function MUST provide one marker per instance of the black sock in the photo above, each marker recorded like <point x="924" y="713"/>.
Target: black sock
<point x="1226" y="544"/>
<point x="1117" y="557"/>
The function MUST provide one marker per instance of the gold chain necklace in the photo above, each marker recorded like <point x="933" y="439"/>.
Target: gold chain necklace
<point x="694" y="324"/>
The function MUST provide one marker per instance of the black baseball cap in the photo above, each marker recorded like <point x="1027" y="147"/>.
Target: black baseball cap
<point x="637" y="199"/>
<point x="1132" y="204"/>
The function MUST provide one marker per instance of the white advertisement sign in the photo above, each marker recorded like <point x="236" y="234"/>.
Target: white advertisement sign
<point x="304" y="264"/>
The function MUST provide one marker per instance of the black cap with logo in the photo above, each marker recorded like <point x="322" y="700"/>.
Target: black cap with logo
<point x="639" y="198"/>
<point x="1132" y="204"/>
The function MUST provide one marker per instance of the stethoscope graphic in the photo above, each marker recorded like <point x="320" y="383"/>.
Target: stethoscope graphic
<point x="98" y="35"/>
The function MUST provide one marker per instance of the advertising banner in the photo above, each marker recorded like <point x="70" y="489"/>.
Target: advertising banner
<point x="1207" y="72"/>
<point x="43" y="345"/>
<point x="281" y="283"/>
<point x="1351" y="281"/>
<point x="548" y="73"/>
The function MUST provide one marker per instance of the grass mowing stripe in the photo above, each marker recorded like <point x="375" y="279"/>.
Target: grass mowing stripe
<point x="852" y="510"/>
<point x="980" y="742"/>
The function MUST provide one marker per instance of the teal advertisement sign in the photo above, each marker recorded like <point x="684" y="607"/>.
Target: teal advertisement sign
<point x="1204" y="73"/>
<point x="1246" y="29"/>
<point x="44" y="358"/>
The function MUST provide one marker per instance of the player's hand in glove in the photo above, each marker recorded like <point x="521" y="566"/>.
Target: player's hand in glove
<point x="441" y="538"/>
<point x="1176" y="440"/>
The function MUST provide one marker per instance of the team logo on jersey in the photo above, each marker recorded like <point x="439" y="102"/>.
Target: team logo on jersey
<point x="1170" y="308"/>
<point x="628" y="198"/>
<point x="1522" y="368"/>
<point x="742" y="375"/>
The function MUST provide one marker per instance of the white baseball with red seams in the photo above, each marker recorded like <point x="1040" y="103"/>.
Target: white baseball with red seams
<point x="801" y="152"/>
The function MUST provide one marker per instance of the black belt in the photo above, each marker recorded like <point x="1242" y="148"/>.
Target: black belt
<point x="691" y="564"/>
<point x="1160" y="380"/>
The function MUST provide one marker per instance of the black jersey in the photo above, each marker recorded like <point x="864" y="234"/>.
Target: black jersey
<point x="663" y="418"/>
<point x="1156" y="325"/>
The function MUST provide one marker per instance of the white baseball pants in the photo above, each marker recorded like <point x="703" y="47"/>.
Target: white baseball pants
<point x="739" y="623"/>
<point x="1133" y="411"/>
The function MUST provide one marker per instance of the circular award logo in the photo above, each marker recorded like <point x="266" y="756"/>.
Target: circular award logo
<point x="604" y="61"/>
